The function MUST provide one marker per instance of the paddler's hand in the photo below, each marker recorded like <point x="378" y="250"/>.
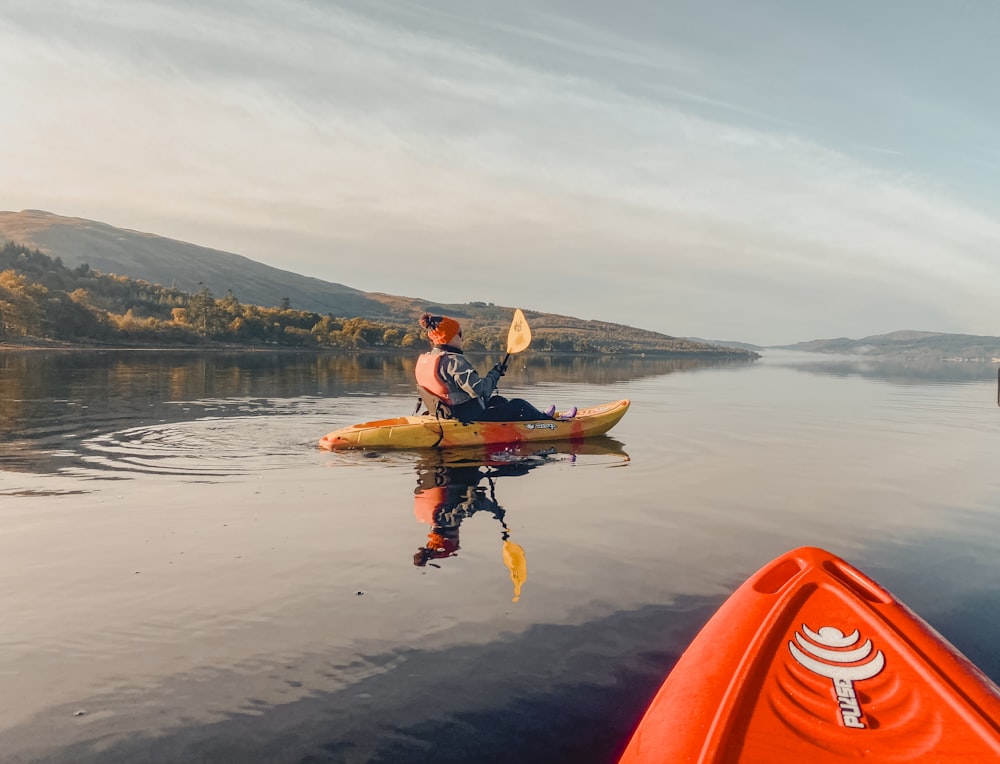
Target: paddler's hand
<point x="500" y="369"/>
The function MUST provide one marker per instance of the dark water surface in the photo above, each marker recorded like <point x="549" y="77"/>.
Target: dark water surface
<point x="186" y="577"/>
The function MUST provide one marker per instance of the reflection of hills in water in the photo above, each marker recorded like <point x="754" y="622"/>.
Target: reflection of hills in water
<point x="156" y="376"/>
<point x="49" y="393"/>
<point x="897" y="371"/>
<point x="456" y="484"/>
<point x="117" y="408"/>
<point x="605" y="369"/>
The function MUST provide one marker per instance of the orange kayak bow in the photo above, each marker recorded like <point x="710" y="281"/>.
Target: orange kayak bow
<point x="810" y="661"/>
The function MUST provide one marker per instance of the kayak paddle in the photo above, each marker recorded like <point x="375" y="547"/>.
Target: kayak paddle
<point x="518" y="337"/>
<point x="517" y="564"/>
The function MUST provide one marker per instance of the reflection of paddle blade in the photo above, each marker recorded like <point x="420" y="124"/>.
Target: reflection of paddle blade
<point x="517" y="564"/>
<point x="519" y="336"/>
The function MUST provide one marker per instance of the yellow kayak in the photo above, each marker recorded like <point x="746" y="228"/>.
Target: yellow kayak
<point x="429" y="432"/>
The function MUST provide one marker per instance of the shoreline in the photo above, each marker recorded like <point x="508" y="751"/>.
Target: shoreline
<point x="7" y="347"/>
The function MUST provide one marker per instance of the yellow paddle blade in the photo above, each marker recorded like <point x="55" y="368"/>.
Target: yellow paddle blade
<point x="519" y="336"/>
<point x="517" y="564"/>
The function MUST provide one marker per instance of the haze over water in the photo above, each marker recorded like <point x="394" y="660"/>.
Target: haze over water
<point x="185" y="576"/>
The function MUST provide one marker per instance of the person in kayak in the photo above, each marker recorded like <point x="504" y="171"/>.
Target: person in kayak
<point x="450" y="387"/>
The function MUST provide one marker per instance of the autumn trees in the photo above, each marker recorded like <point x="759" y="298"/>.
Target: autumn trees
<point x="40" y="297"/>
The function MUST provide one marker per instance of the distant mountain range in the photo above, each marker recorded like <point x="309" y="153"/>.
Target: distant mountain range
<point x="901" y="345"/>
<point x="191" y="268"/>
<point x="913" y="344"/>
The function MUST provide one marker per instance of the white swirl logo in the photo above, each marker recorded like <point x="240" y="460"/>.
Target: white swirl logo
<point x="832" y="654"/>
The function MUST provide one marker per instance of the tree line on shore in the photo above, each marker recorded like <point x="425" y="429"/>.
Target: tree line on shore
<point x="42" y="299"/>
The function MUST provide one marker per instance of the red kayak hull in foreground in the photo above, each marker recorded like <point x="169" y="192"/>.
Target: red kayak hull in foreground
<point x="810" y="661"/>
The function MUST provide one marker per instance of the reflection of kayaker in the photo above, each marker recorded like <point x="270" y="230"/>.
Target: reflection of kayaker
<point x="444" y="497"/>
<point x="447" y="495"/>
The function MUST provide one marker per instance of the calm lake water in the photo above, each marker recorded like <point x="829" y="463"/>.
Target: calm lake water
<point x="186" y="577"/>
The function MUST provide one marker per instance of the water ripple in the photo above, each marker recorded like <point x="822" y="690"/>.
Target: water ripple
<point x="244" y="437"/>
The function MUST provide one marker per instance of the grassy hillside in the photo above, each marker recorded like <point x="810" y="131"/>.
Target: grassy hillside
<point x="550" y="331"/>
<point x="186" y="267"/>
<point x="77" y="243"/>
<point x="43" y="299"/>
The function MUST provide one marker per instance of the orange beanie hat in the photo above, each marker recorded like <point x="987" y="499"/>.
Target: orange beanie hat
<point x="440" y="329"/>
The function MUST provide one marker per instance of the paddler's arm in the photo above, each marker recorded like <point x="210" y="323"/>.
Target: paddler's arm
<point x="467" y="378"/>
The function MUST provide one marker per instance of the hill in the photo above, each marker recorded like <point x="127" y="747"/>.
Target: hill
<point x="917" y="345"/>
<point x="177" y="264"/>
<point x="67" y="255"/>
<point x="728" y="344"/>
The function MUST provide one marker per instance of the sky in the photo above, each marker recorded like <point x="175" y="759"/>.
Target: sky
<point x="768" y="171"/>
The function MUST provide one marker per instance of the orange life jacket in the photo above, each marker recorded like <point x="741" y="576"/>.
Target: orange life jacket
<point x="427" y="502"/>
<point x="428" y="378"/>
